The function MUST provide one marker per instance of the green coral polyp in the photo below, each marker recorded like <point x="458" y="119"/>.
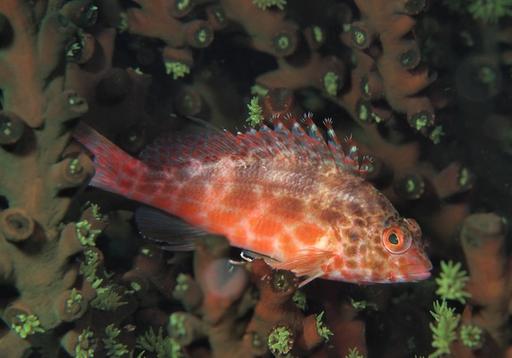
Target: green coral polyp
<point x="331" y="83"/>
<point x="408" y="58"/>
<point x="163" y="347"/>
<point x="283" y="42"/>
<point x="255" y="112"/>
<point x="365" y="86"/>
<point x="318" y="34"/>
<point x="465" y="177"/>
<point x="85" y="233"/>
<point x="203" y="35"/>
<point x="176" y="69"/>
<point x="354" y="353"/>
<point x="74" y="301"/>
<point x="280" y="340"/>
<point x="452" y="281"/>
<point x="363" y="112"/>
<point x="299" y="298"/>
<point x="107" y="298"/>
<point x="265" y="4"/>
<point x="471" y="336"/>
<point x="437" y="134"/>
<point x="358" y="36"/>
<point x="182" y="5"/>
<point x="443" y="328"/>
<point x="181" y="283"/>
<point x="410" y="186"/>
<point x="86" y="344"/>
<point x="177" y="324"/>
<point x="74" y="166"/>
<point x="421" y="120"/>
<point x="96" y="211"/>
<point x="321" y="328"/>
<point x="113" y="347"/>
<point x="490" y="11"/>
<point x="26" y="325"/>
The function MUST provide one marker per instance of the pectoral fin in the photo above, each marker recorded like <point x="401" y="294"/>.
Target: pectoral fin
<point x="306" y="263"/>
<point x="172" y="233"/>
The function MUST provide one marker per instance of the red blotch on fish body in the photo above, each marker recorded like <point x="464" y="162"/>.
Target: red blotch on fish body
<point x="129" y="169"/>
<point x="240" y="197"/>
<point x="308" y="234"/>
<point x="288" y="245"/>
<point x="146" y="188"/>
<point x="163" y="201"/>
<point x="126" y="184"/>
<point x="287" y="208"/>
<point x="220" y="219"/>
<point x="188" y="209"/>
<point x="265" y="227"/>
<point x="263" y="245"/>
<point x="192" y="191"/>
<point x="238" y="237"/>
<point x="338" y="262"/>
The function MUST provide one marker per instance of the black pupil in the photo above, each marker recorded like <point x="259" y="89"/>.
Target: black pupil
<point x="393" y="239"/>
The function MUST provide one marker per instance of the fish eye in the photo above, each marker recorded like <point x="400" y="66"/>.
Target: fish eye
<point x="395" y="241"/>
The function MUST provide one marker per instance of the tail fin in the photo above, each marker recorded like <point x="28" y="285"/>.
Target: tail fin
<point x="115" y="170"/>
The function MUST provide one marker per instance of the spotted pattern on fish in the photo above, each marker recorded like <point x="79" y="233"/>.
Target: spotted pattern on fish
<point x="288" y="195"/>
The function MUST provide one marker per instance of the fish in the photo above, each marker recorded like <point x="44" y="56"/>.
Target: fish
<point x="284" y="192"/>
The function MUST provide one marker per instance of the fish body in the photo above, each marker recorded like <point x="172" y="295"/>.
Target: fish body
<point x="282" y="193"/>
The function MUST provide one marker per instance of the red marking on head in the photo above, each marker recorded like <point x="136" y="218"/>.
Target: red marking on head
<point x="350" y="250"/>
<point x="338" y="262"/>
<point x="347" y="275"/>
<point x="308" y="234"/>
<point x="351" y="264"/>
<point x="333" y="216"/>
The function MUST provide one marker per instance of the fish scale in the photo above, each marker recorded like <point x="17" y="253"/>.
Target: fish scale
<point x="284" y="194"/>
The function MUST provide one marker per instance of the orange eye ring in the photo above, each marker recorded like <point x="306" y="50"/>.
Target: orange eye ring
<point x="394" y="240"/>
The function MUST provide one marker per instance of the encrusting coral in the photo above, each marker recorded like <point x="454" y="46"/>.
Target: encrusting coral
<point x="38" y="175"/>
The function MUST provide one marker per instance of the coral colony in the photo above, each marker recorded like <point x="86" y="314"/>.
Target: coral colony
<point x="255" y="178"/>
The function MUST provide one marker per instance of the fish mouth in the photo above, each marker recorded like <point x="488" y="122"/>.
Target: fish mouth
<point x="419" y="272"/>
<point x="419" y="276"/>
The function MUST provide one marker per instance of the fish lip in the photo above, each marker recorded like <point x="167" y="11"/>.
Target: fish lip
<point x="418" y="276"/>
<point x="419" y="271"/>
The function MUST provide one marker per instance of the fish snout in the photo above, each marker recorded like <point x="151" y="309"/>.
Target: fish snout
<point x="417" y="267"/>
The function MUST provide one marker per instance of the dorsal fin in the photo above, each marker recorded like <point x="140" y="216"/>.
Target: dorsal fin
<point x="290" y="144"/>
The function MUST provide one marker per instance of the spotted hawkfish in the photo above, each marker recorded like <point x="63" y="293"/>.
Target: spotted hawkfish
<point x="285" y="193"/>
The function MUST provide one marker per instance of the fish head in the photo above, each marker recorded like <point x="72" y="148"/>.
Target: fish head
<point x="385" y="250"/>
<point x="398" y="253"/>
<point x="373" y="243"/>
